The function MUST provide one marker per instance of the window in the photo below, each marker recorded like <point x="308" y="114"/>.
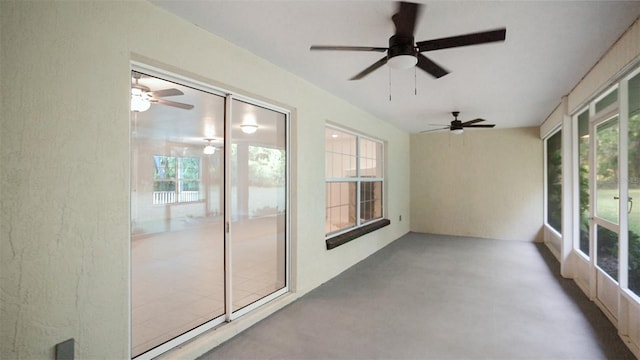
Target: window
<point x="607" y="100"/>
<point x="354" y="180"/>
<point x="583" y="180"/>
<point x="176" y="179"/>
<point x="554" y="180"/>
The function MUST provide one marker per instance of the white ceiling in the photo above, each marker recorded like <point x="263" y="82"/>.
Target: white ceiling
<point x="549" y="47"/>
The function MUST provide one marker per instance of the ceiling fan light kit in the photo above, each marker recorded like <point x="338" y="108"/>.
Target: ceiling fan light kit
<point x="404" y="53"/>
<point x="139" y="101"/>
<point x="402" y="62"/>
<point x="142" y="97"/>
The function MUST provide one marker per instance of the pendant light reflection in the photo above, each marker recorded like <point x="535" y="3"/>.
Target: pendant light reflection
<point x="249" y="124"/>
<point x="249" y="128"/>
<point x="209" y="149"/>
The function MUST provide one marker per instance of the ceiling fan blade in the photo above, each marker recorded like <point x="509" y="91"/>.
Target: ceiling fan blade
<point x="479" y="126"/>
<point x="426" y="131"/>
<point x="431" y="67"/>
<point x="165" y="92"/>
<point x="348" y="48"/>
<point x="405" y="18"/>
<point x="466" y="123"/>
<point x="463" y="40"/>
<point x="370" y="69"/>
<point x="172" y="103"/>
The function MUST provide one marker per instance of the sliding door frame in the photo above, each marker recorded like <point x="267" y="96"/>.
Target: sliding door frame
<point x="229" y="313"/>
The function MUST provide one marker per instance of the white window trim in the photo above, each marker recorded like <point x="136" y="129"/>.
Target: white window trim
<point x="359" y="180"/>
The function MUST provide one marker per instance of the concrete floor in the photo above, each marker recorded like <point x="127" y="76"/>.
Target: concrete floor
<point x="438" y="297"/>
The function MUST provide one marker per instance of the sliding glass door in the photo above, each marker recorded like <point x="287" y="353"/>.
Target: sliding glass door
<point x="177" y="237"/>
<point x="258" y="203"/>
<point x="208" y="209"/>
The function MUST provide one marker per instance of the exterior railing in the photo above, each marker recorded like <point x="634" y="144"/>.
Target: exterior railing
<point x="169" y="197"/>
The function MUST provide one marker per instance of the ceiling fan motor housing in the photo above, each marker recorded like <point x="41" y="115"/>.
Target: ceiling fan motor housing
<point x="401" y="45"/>
<point x="456" y="125"/>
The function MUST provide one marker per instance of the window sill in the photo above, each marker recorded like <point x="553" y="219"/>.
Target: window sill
<point x="341" y="239"/>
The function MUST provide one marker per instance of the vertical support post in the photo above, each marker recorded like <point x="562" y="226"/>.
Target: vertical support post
<point x="566" y="269"/>
<point x="228" y="297"/>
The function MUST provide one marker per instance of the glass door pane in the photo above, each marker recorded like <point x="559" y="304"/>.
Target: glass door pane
<point x="607" y="249"/>
<point x="607" y="188"/>
<point x="634" y="184"/>
<point x="258" y="203"/>
<point x="607" y="138"/>
<point x="177" y="239"/>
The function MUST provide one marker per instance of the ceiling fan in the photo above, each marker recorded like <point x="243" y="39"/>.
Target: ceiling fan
<point x="142" y="97"/>
<point x="457" y="126"/>
<point x="403" y="52"/>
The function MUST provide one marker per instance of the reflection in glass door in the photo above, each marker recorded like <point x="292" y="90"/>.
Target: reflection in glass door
<point x="605" y="215"/>
<point x="177" y="237"/>
<point x="258" y="203"/>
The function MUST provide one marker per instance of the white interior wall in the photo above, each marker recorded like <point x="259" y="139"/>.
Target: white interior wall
<point x="482" y="183"/>
<point x="65" y="169"/>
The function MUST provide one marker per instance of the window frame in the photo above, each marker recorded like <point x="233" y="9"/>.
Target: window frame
<point x="576" y="213"/>
<point x="555" y="132"/>
<point x="361" y="226"/>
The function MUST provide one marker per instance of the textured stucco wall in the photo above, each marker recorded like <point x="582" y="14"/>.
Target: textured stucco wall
<point x="481" y="183"/>
<point x="65" y="164"/>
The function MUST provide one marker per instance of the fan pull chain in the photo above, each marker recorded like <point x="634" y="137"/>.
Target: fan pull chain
<point x="389" y="84"/>
<point x="415" y="81"/>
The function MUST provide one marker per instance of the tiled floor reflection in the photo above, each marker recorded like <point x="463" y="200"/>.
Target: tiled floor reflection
<point x="178" y="277"/>
<point x="255" y="261"/>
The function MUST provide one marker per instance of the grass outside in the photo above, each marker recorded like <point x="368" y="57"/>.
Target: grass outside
<point x="608" y="207"/>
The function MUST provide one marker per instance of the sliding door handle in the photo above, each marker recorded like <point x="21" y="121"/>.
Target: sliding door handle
<point x="630" y="200"/>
